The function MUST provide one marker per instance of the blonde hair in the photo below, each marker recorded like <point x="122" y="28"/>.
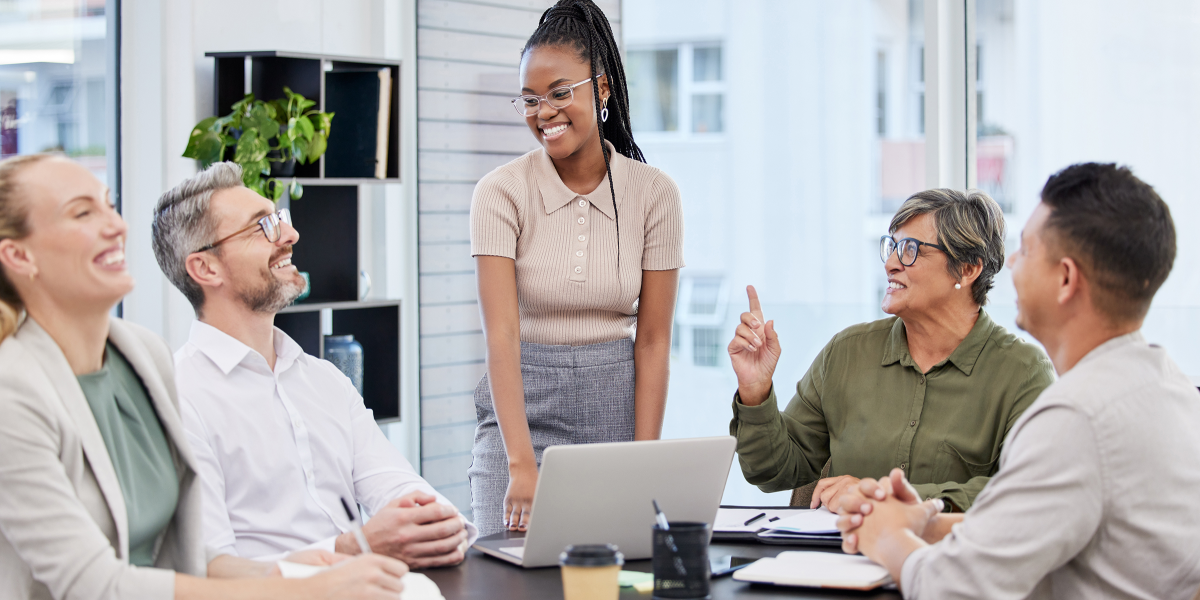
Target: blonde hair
<point x="14" y="225"/>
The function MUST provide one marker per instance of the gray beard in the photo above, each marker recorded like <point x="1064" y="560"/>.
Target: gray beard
<point x="271" y="298"/>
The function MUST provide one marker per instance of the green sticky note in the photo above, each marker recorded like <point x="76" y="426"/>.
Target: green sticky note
<point x="632" y="578"/>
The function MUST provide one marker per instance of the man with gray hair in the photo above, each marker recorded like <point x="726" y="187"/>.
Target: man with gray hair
<point x="280" y="437"/>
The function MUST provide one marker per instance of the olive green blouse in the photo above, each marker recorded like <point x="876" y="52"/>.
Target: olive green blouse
<point x="865" y="406"/>
<point x="138" y="449"/>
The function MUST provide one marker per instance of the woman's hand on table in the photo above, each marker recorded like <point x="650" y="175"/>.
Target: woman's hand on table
<point x="831" y="489"/>
<point x="754" y="353"/>
<point x="518" y="500"/>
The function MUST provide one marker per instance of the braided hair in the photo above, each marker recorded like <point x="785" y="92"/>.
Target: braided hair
<point x="581" y="25"/>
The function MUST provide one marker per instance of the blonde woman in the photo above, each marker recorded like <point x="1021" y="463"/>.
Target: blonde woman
<point x="98" y="493"/>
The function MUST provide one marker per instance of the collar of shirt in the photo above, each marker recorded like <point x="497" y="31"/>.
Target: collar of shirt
<point x="556" y="194"/>
<point x="963" y="357"/>
<point x="1134" y="337"/>
<point x="228" y="352"/>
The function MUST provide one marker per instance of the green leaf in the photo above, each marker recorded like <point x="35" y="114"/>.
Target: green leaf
<point x="251" y="148"/>
<point x="295" y="190"/>
<point x="306" y="128"/>
<point x="240" y="105"/>
<point x="305" y="104"/>
<point x="260" y="118"/>
<point x="316" y="147"/>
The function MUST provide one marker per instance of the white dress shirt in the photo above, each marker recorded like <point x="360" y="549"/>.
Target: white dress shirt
<point x="1096" y="493"/>
<point x="276" y="451"/>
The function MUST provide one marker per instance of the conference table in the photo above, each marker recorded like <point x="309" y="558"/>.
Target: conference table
<point x="481" y="576"/>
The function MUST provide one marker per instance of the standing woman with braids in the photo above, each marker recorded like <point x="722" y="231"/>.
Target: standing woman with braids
<point x="577" y="244"/>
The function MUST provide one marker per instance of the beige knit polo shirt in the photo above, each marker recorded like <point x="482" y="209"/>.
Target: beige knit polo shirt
<point x="565" y="244"/>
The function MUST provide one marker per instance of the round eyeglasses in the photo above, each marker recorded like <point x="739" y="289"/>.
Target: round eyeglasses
<point x="906" y="249"/>
<point x="269" y="224"/>
<point x="558" y="99"/>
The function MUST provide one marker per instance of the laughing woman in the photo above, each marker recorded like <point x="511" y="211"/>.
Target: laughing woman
<point x="576" y="244"/>
<point x="99" y="497"/>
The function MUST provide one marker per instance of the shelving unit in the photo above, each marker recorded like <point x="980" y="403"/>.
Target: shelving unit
<point x="327" y="214"/>
<point x="375" y="325"/>
<point x="267" y="72"/>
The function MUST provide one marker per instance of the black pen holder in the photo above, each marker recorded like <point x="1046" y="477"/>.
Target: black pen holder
<point x="681" y="568"/>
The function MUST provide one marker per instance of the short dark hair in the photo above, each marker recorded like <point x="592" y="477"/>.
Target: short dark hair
<point x="1118" y="229"/>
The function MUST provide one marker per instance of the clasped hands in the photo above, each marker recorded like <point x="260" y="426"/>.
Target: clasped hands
<point x="416" y="529"/>
<point x="886" y="520"/>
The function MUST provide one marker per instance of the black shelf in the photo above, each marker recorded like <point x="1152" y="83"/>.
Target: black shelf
<point x="375" y="325"/>
<point x="326" y="217"/>
<point x="271" y="70"/>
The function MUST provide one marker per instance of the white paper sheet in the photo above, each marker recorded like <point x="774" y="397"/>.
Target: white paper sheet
<point x="733" y="520"/>
<point x="816" y="569"/>
<point x="814" y="521"/>
<point x="416" y="585"/>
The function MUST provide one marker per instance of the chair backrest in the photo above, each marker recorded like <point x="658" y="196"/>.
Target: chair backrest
<point x="802" y="496"/>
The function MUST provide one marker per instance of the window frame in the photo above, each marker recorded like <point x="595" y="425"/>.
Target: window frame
<point x="686" y="87"/>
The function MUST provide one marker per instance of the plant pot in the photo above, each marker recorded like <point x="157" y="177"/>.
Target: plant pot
<point x="282" y="169"/>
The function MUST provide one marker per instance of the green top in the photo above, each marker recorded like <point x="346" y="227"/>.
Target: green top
<point x="139" y="451"/>
<point x="866" y="405"/>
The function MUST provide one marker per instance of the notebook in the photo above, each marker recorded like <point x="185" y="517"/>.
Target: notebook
<point x="817" y="570"/>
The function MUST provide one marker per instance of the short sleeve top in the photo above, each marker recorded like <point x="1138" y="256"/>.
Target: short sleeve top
<point x="571" y="287"/>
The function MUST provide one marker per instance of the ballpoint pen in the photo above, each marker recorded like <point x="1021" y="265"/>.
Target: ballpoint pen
<point x="754" y="518"/>
<point x="661" y="519"/>
<point x="358" y="534"/>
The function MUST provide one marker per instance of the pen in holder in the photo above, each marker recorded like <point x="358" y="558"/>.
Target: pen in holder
<point x="681" y="568"/>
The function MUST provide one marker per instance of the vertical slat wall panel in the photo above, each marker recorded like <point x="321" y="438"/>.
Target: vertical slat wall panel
<point x="467" y="61"/>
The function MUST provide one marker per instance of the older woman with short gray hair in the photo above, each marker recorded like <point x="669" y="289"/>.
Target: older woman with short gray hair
<point x="933" y="389"/>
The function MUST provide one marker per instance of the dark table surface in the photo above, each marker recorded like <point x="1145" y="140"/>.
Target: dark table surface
<point x="481" y="576"/>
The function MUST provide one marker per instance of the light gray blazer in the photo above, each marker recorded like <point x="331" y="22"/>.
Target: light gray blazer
<point x="63" y="529"/>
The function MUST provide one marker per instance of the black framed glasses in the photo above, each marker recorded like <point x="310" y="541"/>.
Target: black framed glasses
<point x="269" y="224"/>
<point x="906" y="249"/>
<point x="558" y="98"/>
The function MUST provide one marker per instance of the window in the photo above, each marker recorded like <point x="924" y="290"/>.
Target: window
<point x="654" y="89"/>
<point x="1078" y="102"/>
<point x="700" y="309"/>
<point x="707" y="346"/>
<point x="881" y="93"/>
<point x="678" y="89"/>
<point x="57" y="82"/>
<point x="783" y="150"/>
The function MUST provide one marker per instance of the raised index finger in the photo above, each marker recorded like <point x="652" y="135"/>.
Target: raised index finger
<point x="755" y="307"/>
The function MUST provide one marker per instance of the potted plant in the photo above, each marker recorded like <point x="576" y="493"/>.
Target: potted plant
<point x="267" y="138"/>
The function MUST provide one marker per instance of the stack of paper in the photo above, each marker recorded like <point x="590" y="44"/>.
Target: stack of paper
<point x="733" y="520"/>
<point x="816" y="569"/>
<point x="810" y="522"/>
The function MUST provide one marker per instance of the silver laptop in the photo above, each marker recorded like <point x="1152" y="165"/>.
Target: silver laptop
<point x="600" y="494"/>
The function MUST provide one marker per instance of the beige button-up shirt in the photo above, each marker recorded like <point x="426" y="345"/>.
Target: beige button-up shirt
<point x="571" y="287"/>
<point x="1096" y="496"/>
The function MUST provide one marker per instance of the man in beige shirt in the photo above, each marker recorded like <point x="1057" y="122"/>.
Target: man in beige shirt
<point x="1098" y="483"/>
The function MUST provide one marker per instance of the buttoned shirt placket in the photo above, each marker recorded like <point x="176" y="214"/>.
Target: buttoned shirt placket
<point x="577" y="265"/>
<point x="300" y="433"/>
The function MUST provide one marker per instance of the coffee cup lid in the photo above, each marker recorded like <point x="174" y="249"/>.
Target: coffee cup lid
<point x="591" y="555"/>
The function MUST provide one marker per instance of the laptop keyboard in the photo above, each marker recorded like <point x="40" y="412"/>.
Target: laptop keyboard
<point x="517" y="551"/>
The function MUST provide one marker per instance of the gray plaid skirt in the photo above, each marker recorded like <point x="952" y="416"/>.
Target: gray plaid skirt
<point x="573" y="395"/>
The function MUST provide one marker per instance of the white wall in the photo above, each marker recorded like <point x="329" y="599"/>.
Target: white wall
<point x="166" y="88"/>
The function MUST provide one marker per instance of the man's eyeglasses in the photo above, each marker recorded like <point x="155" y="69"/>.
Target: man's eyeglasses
<point x="906" y="249"/>
<point x="269" y="224"/>
<point x="558" y="99"/>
